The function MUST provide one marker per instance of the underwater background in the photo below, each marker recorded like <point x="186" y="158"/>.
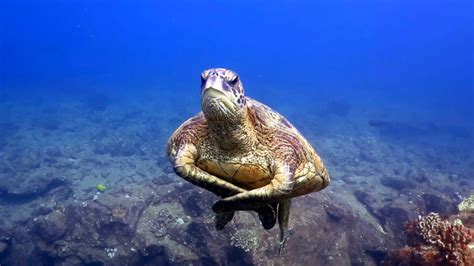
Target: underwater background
<point x="90" y="92"/>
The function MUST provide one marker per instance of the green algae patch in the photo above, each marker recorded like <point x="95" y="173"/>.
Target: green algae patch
<point x="101" y="187"/>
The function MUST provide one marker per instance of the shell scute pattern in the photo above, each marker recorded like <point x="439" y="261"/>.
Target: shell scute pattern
<point x="249" y="170"/>
<point x="190" y="131"/>
<point x="280" y="136"/>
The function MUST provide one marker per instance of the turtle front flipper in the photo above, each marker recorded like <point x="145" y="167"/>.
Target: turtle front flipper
<point x="279" y="188"/>
<point x="184" y="162"/>
<point x="223" y="218"/>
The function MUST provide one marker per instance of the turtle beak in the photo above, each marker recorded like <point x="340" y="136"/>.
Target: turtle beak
<point x="211" y="94"/>
<point x="213" y="83"/>
<point x="213" y="91"/>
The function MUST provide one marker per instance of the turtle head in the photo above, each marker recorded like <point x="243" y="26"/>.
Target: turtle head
<point x="222" y="94"/>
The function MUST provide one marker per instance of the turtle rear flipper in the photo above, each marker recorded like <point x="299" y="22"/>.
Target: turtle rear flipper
<point x="283" y="217"/>
<point x="268" y="215"/>
<point x="223" y="218"/>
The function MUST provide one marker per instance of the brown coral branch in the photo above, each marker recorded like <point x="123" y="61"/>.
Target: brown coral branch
<point x="435" y="241"/>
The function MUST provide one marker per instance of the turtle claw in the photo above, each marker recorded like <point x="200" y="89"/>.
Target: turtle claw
<point x="282" y="245"/>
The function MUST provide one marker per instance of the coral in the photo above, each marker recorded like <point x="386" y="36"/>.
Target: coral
<point x="435" y="241"/>
<point x="467" y="204"/>
<point x="450" y="238"/>
<point x="245" y="240"/>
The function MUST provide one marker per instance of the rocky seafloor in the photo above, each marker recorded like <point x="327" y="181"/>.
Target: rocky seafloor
<point x="86" y="181"/>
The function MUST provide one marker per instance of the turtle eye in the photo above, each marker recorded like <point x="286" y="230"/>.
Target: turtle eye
<point x="232" y="79"/>
<point x="204" y="76"/>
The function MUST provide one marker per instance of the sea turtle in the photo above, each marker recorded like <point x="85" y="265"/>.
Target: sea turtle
<point x="243" y="151"/>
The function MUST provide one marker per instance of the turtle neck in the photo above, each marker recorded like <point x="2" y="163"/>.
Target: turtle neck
<point x="233" y="133"/>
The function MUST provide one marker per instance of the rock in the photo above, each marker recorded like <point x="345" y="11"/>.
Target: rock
<point x="377" y="254"/>
<point x="419" y="176"/>
<point x="153" y="251"/>
<point x="370" y="203"/>
<point x="119" y="148"/>
<point x="437" y="204"/>
<point x="196" y="203"/>
<point x="5" y="234"/>
<point x="467" y="218"/>
<point x="24" y="161"/>
<point x="3" y="248"/>
<point x="367" y="156"/>
<point x="165" y="166"/>
<point x="51" y="227"/>
<point x="334" y="212"/>
<point x="54" y="152"/>
<point x="237" y="256"/>
<point x="124" y="226"/>
<point x="364" y="198"/>
<point x="151" y="223"/>
<point x="45" y="207"/>
<point x="163" y="179"/>
<point x="350" y="238"/>
<point x="395" y="218"/>
<point x="395" y="183"/>
<point x="349" y="179"/>
<point x="30" y="188"/>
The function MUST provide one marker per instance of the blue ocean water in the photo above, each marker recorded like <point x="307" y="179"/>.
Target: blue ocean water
<point x="90" y="91"/>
